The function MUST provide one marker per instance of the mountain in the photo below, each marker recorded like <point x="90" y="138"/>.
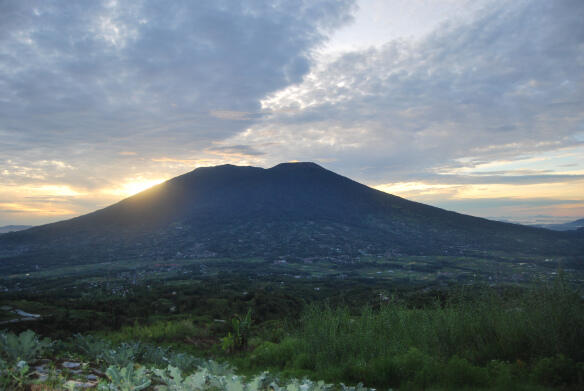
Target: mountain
<point x="292" y="209"/>
<point x="572" y="225"/>
<point x="13" y="228"/>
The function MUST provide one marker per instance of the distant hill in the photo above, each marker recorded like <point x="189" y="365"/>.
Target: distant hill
<point x="571" y="226"/>
<point x="13" y="228"/>
<point x="292" y="209"/>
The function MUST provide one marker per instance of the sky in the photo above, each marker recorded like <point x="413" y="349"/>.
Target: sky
<point x="472" y="106"/>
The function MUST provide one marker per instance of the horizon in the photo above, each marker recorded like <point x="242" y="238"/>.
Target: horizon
<point x="144" y="188"/>
<point x="471" y="106"/>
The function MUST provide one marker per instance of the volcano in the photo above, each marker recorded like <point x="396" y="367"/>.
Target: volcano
<point x="292" y="209"/>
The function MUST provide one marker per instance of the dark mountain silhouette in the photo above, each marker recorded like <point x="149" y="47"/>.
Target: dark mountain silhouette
<point x="572" y="225"/>
<point x="13" y="228"/>
<point x="292" y="209"/>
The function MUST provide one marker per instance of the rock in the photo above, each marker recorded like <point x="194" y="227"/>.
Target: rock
<point x="71" y="365"/>
<point x="40" y="368"/>
<point x="73" y="384"/>
<point x="92" y="377"/>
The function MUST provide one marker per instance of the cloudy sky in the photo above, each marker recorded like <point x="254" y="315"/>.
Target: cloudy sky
<point x="475" y="106"/>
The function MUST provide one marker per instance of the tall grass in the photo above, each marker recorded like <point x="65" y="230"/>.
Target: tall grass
<point x="161" y="331"/>
<point x="542" y="322"/>
<point x="396" y="342"/>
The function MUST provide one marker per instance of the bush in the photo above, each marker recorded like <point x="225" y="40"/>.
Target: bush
<point x="126" y="379"/>
<point x="90" y="346"/>
<point x="466" y="340"/>
<point x="558" y="371"/>
<point x="377" y="372"/>
<point x="121" y="356"/>
<point x="459" y="372"/>
<point x="26" y="346"/>
<point x="417" y="368"/>
<point x="272" y="355"/>
<point x="501" y="374"/>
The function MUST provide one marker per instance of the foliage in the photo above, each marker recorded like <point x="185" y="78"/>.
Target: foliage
<point x="204" y="379"/>
<point x="477" y="337"/>
<point x="458" y="372"/>
<point x="156" y="332"/>
<point x="155" y="355"/>
<point x="55" y="378"/>
<point x="5" y="378"/>
<point x="173" y="380"/>
<point x="123" y="355"/>
<point x="558" y="371"/>
<point x="465" y="341"/>
<point x="90" y="346"/>
<point x="237" y="339"/>
<point x="20" y="375"/>
<point x="220" y="369"/>
<point x="228" y="342"/>
<point x="26" y="346"/>
<point x="184" y="361"/>
<point x="126" y="379"/>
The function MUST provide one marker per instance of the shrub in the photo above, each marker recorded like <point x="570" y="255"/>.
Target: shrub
<point x="155" y="355"/>
<point x="459" y="372"/>
<point x="216" y="368"/>
<point x="90" y="346"/>
<point x="121" y="356"/>
<point x="126" y="379"/>
<point x="417" y="368"/>
<point x="381" y="371"/>
<point x="501" y="374"/>
<point x="272" y="355"/>
<point x="183" y="361"/>
<point x="558" y="371"/>
<point x="26" y="346"/>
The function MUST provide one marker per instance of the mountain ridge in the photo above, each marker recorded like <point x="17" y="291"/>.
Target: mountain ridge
<point x="291" y="209"/>
<point x="13" y="228"/>
<point x="569" y="226"/>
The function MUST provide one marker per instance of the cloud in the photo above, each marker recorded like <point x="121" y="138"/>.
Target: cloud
<point x="105" y="87"/>
<point x="233" y="115"/>
<point x="235" y="150"/>
<point x="504" y="85"/>
<point x="94" y="78"/>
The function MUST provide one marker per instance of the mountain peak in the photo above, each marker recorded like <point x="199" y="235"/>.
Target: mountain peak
<point x="296" y="166"/>
<point x="298" y="209"/>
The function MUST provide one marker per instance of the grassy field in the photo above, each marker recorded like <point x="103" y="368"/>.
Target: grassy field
<point x="405" y="323"/>
<point x="480" y="341"/>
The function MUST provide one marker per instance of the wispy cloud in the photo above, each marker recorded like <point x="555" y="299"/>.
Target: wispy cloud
<point x="489" y="89"/>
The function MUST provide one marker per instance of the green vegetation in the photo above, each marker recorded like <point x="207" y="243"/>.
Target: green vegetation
<point x="236" y="340"/>
<point x="23" y="347"/>
<point x="479" y="341"/>
<point x="118" y="374"/>
<point x="126" y="378"/>
<point x="401" y="323"/>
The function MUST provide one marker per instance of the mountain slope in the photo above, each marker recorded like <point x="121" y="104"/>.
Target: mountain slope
<point x="292" y="209"/>
<point x="572" y="225"/>
<point x="13" y="228"/>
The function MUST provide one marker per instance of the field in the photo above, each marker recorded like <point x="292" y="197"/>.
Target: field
<point x="405" y="322"/>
